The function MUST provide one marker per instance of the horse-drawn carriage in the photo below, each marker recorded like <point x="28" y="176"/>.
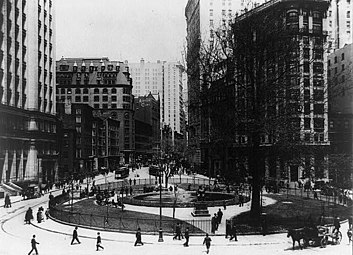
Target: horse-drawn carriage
<point x="315" y="236"/>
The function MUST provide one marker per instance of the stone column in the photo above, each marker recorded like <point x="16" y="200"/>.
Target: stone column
<point x="32" y="163"/>
<point x="5" y="167"/>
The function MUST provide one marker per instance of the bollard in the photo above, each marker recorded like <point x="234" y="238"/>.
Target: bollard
<point x="160" y="233"/>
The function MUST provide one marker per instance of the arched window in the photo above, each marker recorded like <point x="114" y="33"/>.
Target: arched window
<point x="96" y="91"/>
<point x="113" y="90"/>
<point x="77" y="91"/>
<point x="85" y="91"/>
<point x="105" y="91"/>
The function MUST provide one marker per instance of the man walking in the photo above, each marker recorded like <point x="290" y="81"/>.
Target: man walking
<point x="207" y="241"/>
<point x="177" y="232"/>
<point x="99" y="241"/>
<point x="138" y="237"/>
<point x="75" y="236"/>
<point x="219" y="215"/>
<point x="34" y="245"/>
<point x="186" y="234"/>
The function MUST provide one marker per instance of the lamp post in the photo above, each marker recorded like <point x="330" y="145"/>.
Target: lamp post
<point x="160" y="238"/>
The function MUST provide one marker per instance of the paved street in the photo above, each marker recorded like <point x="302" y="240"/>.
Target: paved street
<point x="55" y="238"/>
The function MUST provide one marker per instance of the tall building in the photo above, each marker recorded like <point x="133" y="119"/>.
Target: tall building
<point x="28" y="139"/>
<point x="164" y="79"/>
<point x="104" y="85"/>
<point x="147" y="125"/>
<point x="340" y="80"/>
<point x="203" y="18"/>
<point x="298" y="70"/>
<point x="340" y="23"/>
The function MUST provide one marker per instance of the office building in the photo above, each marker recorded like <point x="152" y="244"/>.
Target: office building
<point x="28" y="135"/>
<point x="104" y="85"/>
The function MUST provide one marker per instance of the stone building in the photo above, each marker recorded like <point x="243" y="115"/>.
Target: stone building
<point x="28" y="132"/>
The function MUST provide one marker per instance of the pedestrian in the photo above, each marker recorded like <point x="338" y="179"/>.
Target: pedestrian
<point x="219" y="215"/>
<point x="213" y="224"/>
<point x="186" y="234"/>
<point x="47" y="213"/>
<point x="177" y="232"/>
<point x="7" y="201"/>
<point x="40" y="216"/>
<point x="29" y="216"/>
<point x="315" y="195"/>
<point x="34" y="245"/>
<point x="99" y="241"/>
<point x="138" y="237"/>
<point x="216" y="221"/>
<point x="207" y="241"/>
<point x="233" y="233"/>
<point x="228" y="228"/>
<point x="75" y="236"/>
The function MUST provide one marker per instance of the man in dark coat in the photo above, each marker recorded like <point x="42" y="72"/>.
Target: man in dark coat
<point x="207" y="241"/>
<point x="213" y="224"/>
<point x="99" y="241"/>
<point x="233" y="233"/>
<point x="219" y="215"/>
<point x="138" y="237"/>
<point x="186" y="234"/>
<point x="29" y="216"/>
<point x="75" y="236"/>
<point x="177" y="232"/>
<point x="34" y="245"/>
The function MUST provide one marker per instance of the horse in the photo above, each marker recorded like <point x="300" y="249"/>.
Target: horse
<point x="296" y="235"/>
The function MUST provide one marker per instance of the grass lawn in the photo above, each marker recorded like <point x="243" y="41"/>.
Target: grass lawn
<point x="87" y="212"/>
<point x="291" y="212"/>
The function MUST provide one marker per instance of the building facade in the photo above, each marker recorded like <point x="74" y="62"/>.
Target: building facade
<point x="340" y="78"/>
<point x="104" y="85"/>
<point x="294" y="115"/>
<point x="147" y="124"/>
<point x="340" y="24"/>
<point x="28" y="136"/>
<point x="165" y="80"/>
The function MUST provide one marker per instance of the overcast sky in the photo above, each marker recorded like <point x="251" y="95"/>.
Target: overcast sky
<point x="121" y="29"/>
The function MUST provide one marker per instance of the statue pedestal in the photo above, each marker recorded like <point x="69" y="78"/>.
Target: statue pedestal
<point x="200" y="210"/>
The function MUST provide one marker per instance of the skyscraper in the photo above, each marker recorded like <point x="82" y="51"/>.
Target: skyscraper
<point x="28" y="148"/>
<point x="163" y="80"/>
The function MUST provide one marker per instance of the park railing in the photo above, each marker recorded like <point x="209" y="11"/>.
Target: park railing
<point x="112" y="222"/>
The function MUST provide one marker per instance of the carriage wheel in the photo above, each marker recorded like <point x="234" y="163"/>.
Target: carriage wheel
<point x="323" y="242"/>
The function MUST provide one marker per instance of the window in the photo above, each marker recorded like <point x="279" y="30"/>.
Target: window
<point x="318" y="108"/>
<point x="113" y="90"/>
<point x="343" y="67"/>
<point x="114" y="106"/>
<point x="96" y="91"/>
<point x="348" y="14"/>
<point x="62" y="91"/>
<point x="96" y="106"/>
<point x="307" y="122"/>
<point x="85" y="98"/>
<point x="77" y="98"/>
<point x="306" y="53"/>
<point x="77" y="91"/>
<point x="335" y="59"/>
<point x="105" y="106"/>
<point x="319" y="124"/>
<point x="105" y="91"/>
<point x="85" y="91"/>
<point x="318" y="95"/>
<point x="307" y="108"/>
<point x="342" y="57"/>
<point x="96" y="99"/>
<point x="78" y="119"/>
<point x="114" y="98"/>
<point x="306" y="66"/>
<point x="105" y="98"/>
<point x="307" y="137"/>
<point x="78" y="129"/>
<point x="306" y="82"/>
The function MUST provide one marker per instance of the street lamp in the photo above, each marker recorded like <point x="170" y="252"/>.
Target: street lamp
<point x="160" y="238"/>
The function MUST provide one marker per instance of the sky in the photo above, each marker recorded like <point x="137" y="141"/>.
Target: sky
<point x="121" y="29"/>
